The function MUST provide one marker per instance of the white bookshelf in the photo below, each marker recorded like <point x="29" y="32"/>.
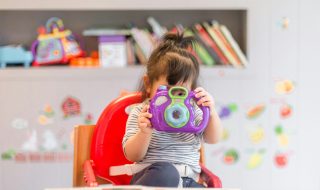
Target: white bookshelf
<point x="122" y="5"/>
<point x="21" y="25"/>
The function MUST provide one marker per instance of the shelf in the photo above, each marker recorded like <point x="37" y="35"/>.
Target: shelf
<point x="122" y="5"/>
<point x="21" y="26"/>
<point x="65" y="73"/>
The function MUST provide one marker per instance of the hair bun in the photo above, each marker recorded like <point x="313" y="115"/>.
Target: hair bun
<point x="178" y="39"/>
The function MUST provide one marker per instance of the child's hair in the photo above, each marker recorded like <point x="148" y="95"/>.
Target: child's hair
<point x="173" y="59"/>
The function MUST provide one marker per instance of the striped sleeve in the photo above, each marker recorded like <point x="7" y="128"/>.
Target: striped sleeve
<point x="198" y="120"/>
<point x="132" y="124"/>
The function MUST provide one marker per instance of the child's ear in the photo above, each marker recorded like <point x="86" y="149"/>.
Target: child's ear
<point x="147" y="84"/>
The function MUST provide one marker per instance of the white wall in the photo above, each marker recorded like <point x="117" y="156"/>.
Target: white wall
<point x="274" y="53"/>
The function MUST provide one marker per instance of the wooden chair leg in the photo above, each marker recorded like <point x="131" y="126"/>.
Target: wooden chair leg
<point x="82" y="142"/>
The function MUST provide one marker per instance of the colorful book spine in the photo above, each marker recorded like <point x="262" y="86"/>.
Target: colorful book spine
<point x="227" y="34"/>
<point x="130" y="52"/>
<point x="202" y="53"/>
<point x="216" y="27"/>
<point x="143" y="41"/>
<point x="140" y="56"/>
<point x="220" y="44"/>
<point x="211" y="45"/>
<point x="157" y="29"/>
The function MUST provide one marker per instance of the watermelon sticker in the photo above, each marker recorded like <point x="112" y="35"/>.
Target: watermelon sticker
<point x="230" y="157"/>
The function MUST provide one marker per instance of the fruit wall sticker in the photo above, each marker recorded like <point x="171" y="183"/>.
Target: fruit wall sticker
<point x="285" y="111"/>
<point x="284" y="87"/>
<point x="88" y="119"/>
<point x="48" y="111"/>
<point x="283" y="23"/>
<point x="255" y="159"/>
<point x="257" y="134"/>
<point x="230" y="157"/>
<point x="19" y="123"/>
<point x="71" y="107"/>
<point x="255" y="111"/>
<point x="225" y="134"/>
<point x="46" y="115"/>
<point x="43" y="120"/>
<point x="283" y="139"/>
<point x="281" y="159"/>
<point x="226" y="110"/>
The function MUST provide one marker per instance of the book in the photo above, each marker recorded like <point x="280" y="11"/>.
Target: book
<point x="130" y="52"/>
<point x="210" y="44"/>
<point x="216" y="27"/>
<point x="227" y="34"/>
<point x="112" y="51"/>
<point x="106" y="32"/>
<point x="143" y="40"/>
<point x="139" y="54"/>
<point x="221" y="44"/>
<point x="157" y="29"/>
<point x="201" y="52"/>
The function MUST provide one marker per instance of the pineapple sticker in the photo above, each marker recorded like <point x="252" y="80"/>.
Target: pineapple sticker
<point x="283" y="139"/>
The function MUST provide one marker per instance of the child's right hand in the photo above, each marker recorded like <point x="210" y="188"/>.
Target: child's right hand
<point x="144" y="120"/>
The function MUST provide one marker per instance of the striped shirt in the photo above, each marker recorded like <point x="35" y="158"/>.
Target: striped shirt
<point x="176" y="148"/>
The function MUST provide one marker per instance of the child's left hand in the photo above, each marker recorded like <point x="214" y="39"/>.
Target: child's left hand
<point x="205" y="98"/>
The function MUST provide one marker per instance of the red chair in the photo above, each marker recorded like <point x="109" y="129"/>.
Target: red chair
<point x="105" y="142"/>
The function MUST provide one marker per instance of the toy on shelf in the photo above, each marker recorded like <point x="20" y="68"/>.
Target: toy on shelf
<point x="172" y="111"/>
<point x="112" y="51"/>
<point x="14" y="55"/>
<point x="92" y="61"/>
<point x="55" y="45"/>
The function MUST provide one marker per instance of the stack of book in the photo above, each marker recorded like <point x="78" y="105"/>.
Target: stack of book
<point x="215" y="44"/>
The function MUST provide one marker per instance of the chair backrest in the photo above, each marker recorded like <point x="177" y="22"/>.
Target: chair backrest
<point x="106" y="144"/>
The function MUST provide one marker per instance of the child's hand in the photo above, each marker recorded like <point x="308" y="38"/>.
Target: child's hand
<point x="144" y="120"/>
<point x="205" y="98"/>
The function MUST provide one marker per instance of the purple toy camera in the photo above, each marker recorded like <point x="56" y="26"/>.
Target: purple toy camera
<point x="172" y="111"/>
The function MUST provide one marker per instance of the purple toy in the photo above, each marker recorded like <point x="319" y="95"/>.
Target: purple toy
<point x="172" y="111"/>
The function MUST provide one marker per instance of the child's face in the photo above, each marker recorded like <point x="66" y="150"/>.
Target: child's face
<point x="163" y="81"/>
